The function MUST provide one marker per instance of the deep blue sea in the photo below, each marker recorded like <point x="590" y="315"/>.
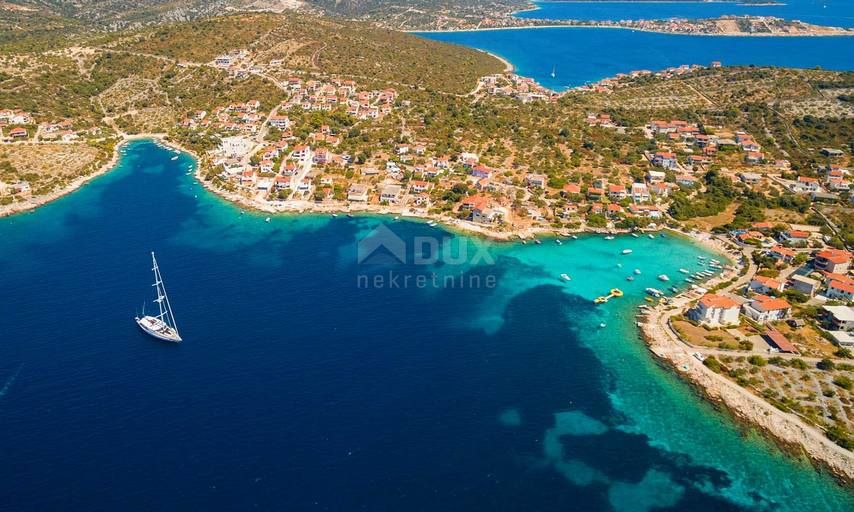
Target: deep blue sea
<point x="299" y="387"/>
<point x="835" y="13"/>
<point x="581" y="55"/>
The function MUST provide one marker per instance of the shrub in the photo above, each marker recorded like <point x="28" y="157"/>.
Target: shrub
<point x="843" y="382"/>
<point x="825" y="364"/>
<point x="712" y="364"/>
<point x="757" y="360"/>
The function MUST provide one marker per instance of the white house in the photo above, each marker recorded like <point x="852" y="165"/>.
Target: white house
<point x="391" y="193"/>
<point x="357" y="192"/>
<point x="840" y="290"/>
<point x="764" y="285"/>
<point x="767" y="309"/>
<point x="715" y="310"/>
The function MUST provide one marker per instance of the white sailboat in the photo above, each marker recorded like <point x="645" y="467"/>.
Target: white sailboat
<point x="553" y="72"/>
<point x="163" y="325"/>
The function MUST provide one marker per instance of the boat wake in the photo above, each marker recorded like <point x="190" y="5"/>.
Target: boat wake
<point x="11" y="380"/>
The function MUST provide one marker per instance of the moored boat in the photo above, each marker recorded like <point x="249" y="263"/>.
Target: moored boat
<point x="162" y="326"/>
<point x="627" y="251"/>
<point x="663" y="277"/>
<point x="654" y="292"/>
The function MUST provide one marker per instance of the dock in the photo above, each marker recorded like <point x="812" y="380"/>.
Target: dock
<point x="615" y="292"/>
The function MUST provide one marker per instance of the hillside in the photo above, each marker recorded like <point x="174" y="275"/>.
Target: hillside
<point x="321" y="45"/>
<point x="142" y="67"/>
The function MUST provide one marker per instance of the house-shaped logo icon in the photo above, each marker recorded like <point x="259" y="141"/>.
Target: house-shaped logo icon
<point x="381" y="247"/>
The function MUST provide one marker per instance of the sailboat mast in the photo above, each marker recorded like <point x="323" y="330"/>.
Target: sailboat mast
<point x="162" y="298"/>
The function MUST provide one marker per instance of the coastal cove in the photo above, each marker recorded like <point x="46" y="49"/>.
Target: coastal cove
<point x="581" y="55"/>
<point x="294" y="380"/>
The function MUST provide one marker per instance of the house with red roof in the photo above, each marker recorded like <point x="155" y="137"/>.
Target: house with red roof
<point x="780" y="341"/>
<point x="665" y="159"/>
<point x="832" y="260"/>
<point x="783" y="254"/>
<point x="715" y="310"/>
<point x="795" y="237"/>
<point x="840" y="290"/>
<point x="18" y="133"/>
<point x="616" y="192"/>
<point x="614" y="210"/>
<point x="764" y="285"/>
<point x="763" y="308"/>
<point x="419" y="186"/>
<point x="571" y="188"/>
<point x="806" y="185"/>
<point x="595" y="193"/>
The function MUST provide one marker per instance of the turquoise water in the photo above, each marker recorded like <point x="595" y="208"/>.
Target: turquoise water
<point x="583" y="55"/>
<point x="835" y="13"/>
<point x="297" y="387"/>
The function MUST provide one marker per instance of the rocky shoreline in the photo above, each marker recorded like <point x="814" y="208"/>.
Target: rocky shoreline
<point x="788" y="431"/>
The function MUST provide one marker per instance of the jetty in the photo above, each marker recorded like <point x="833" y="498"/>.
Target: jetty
<point x="615" y="292"/>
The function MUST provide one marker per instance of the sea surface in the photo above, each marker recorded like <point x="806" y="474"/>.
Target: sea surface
<point x="308" y="381"/>
<point x="581" y="55"/>
<point x="834" y="13"/>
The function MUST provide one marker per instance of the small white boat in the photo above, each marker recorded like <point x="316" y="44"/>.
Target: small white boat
<point x="574" y="237"/>
<point x="602" y="325"/>
<point x="334" y="215"/>
<point x="637" y="271"/>
<point x="654" y="292"/>
<point x="663" y="277"/>
<point x="524" y="242"/>
<point x="267" y="219"/>
<point x="396" y="217"/>
<point x="635" y="235"/>
<point x="619" y="265"/>
<point x="432" y="223"/>
<point x="162" y="326"/>
<point x="565" y="277"/>
<point x="701" y="257"/>
<point x="651" y="235"/>
<point x="174" y="158"/>
<point x="557" y="241"/>
<point x="630" y="278"/>
<point x="537" y="241"/>
<point x="609" y="237"/>
<point x="684" y="271"/>
<point x="627" y="251"/>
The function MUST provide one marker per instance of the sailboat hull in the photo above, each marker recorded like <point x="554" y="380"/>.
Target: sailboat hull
<point x="157" y="329"/>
